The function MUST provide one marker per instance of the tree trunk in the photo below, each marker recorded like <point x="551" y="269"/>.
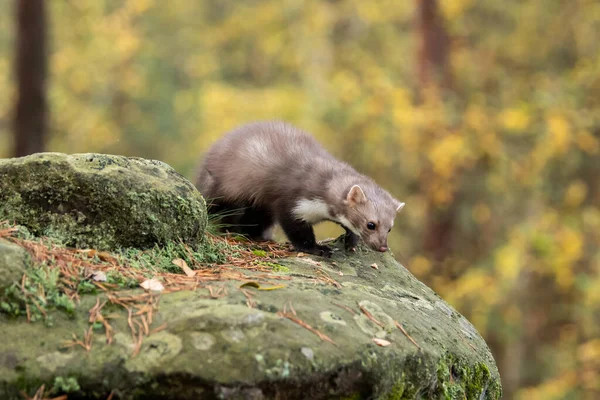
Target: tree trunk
<point x="31" y="112"/>
<point x="434" y="46"/>
<point x="434" y="71"/>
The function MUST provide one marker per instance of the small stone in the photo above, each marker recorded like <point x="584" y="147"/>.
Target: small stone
<point x="308" y="353"/>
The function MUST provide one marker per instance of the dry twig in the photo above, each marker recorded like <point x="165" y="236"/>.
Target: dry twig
<point x="292" y="316"/>
<point x="407" y="335"/>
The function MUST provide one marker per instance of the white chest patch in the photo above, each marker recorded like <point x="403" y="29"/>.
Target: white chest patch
<point x="344" y="221"/>
<point x="311" y="211"/>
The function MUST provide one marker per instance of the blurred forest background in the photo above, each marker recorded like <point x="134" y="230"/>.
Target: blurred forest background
<point x="484" y="116"/>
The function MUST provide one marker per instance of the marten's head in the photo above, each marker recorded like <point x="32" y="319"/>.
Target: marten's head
<point x="370" y="212"/>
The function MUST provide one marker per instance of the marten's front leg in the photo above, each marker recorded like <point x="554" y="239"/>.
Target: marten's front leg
<point x="351" y="240"/>
<point x="302" y="236"/>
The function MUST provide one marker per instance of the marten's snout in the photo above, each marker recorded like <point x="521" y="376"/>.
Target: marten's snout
<point x="383" y="249"/>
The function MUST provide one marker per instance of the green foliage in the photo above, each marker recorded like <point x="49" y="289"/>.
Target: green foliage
<point x="507" y="161"/>
<point x="41" y="291"/>
<point x="160" y="259"/>
<point x="65" y="385"/>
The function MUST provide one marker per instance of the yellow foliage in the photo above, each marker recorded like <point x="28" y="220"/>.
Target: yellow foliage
<point x="420" y="265"/>
<point x="447" y="154"/>
<point x="587" y="142"/>
<point x="139" y="6"/>
<point x="570" y="245"/>
<point x="454" y="8"/>
<point x="589" y="352"/>
<point x="592" y="295"/>
<point x="476" y="118"/>
<point x="508" y="262"/>
<point x="514" y="119"/>
<point x="591" y="219"/>
<point x="481" y="213"/>
<point x="560" y="134"/>
<point x="553" y="389"/>
<point x="575" y="194"/>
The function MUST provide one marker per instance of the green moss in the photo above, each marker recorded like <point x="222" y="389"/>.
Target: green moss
<point x="355" y="396"/>
<point x="259" y="253"/>
<point x="397" y="391"/>
<point x="276" y="267"/>
<point x="160" y="258"/>
<point x="458" y="379"/>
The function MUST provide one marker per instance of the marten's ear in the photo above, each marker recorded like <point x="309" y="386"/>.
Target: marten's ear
<point x="399" y="205"/>
<point x="356" y="196"/>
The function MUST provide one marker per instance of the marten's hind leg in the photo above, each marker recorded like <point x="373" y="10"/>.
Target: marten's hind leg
<point x="257" y="223"/>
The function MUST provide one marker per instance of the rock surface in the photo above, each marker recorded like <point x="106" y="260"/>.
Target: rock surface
<point x="101" y="201"/>
<point x="356" y="326"/>
<point x="13" y="261"/>
<point x="238" y="345"/>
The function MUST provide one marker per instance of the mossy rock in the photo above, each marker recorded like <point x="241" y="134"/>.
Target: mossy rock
<point x="101" y="201"/>
<point x="235" y="347"/>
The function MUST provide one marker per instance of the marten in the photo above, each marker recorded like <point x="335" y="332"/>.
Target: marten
<point x="264" y="173"/>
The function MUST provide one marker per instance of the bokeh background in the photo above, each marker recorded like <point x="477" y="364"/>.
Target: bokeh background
<point x="483" y="116"/>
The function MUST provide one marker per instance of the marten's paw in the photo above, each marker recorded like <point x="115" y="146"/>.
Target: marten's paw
<point x="318" y="250"/>
<point x="351" y="241"/>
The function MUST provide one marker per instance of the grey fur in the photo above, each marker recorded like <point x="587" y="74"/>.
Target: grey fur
<point x="273" y="165"/>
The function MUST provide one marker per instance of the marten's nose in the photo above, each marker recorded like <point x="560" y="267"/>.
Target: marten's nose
<point x="383" y="249"/>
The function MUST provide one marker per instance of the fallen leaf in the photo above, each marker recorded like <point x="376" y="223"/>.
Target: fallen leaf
<point x="99" y="276"/>
<point x="374" y="266"/>
<point x="251" y="284"/>
<point x="104" y="256"/>
<point x="183" y="265"/>
<point x="272" y="287"/>
<point x="381" y="342"/>
<point x="257" y="286"/>
<point x="88" y="252"/>
<point x="300" y="254"/>
<point x="152" y="284"/>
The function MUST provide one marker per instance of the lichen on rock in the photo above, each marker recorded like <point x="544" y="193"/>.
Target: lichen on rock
<point x="101" y="201"/>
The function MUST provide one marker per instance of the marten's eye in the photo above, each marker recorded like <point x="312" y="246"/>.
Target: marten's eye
<point x="371" y="226"/>
<point x="389" y="230"/>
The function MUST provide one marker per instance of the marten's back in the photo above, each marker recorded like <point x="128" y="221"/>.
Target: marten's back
<point x="262" y="161"/>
